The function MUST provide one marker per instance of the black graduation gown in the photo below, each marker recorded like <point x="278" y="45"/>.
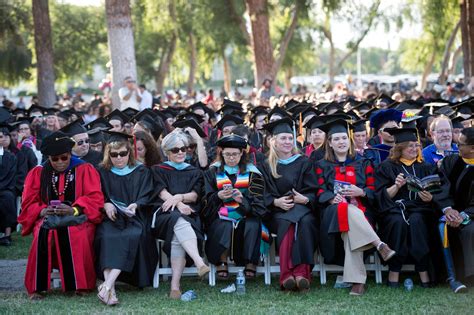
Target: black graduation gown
<point x="176" y="182"/>
<point x="299" y="175"/>
<point x="420" y="237"/>
<point x="359" y="172"/>
<point x="26" y="161"/>
<point x="256" y="139"/>
<point x="127" y="244"/>
<point x="243" y="241"/>
<point x="93" y="157"/>
<point x="461" y="190"/>
<point x="8" y="167"/>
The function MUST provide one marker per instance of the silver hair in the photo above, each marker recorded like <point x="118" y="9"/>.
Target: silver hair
<point x="171" y="140"/>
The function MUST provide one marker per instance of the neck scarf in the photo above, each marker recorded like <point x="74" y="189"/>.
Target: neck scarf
<point x="289" y="160"/>
<point x="407" y="162"/>
<point x="468" y="161"/>
<point x="179" y="166"/>
<point x="123" y="171"/>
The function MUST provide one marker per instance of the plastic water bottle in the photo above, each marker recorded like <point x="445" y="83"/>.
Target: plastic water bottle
<point x="408" y="284"/>
<point x="240" y="283"/>
<point x="188" y="296"/>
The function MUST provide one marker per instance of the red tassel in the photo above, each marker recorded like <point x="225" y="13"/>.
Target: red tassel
<point x="135" y="152"/>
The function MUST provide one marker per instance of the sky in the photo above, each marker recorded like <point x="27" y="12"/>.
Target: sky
<point x="342" y="32"/>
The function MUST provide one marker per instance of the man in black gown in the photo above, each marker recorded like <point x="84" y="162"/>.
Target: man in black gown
<point x="79" y="134"/>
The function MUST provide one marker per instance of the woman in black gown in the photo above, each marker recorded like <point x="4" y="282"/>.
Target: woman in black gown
<point x="407" y="218"/>
<point x="235" y="211"/>
<point x="124" y="247"/>
<point x="178" y="189"/>
<point x="290" y="194"/>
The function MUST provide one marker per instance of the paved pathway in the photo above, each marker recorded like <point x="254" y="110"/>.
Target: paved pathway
<point x="12" y="274"/>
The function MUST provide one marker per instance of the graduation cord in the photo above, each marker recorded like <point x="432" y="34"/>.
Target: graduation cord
<point x="400" y="203"/>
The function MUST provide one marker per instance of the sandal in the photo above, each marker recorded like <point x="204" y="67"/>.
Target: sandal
<point x="250" y="273"/>
<point x="36" y="296"/>
<point x="222" y="271"/>
<point x="108" y="298"/>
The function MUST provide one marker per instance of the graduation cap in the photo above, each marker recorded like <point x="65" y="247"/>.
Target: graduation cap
<point x="6" y="128"/>
<point x="316" y="122"/>
<point x="232" y="141"/>
<point x="114" y="136"/>
<point x="260" y="108"/>
<point x="190" y="115"/>
<point x="191" y="123"/>
<point x="258" y="111"/>
<point x="295" y="110"/>
<point x="364" y="106"/>
<point x="19" y="111"/>
<point x="383" y="98"/>
<point x="229" y="120"/>
<point x="446" y="110"/>
<point x="429" y="108"/>
<point x="310" y="111"/>
<point x="231" y="110"/>
<point x="457" y="122"/>
<point x="4" y="115"/>
<point x="117" y="115"/>
<point x="130" y="112"/>
<point x="96" y="136"/>
<point x="167" y="113"/>
<point x="199" y="105"/>
<point x="335" y="126"/>
<point x="385" y="115"/>
<point x="328" y="107"/>
<point x="290" y="104"/>
<point x="466" y="107"/>
<point x="409" y="105"/>
<point x="36" y="109"/>
<point x="64" y="114"/>
<point x="50" y="111"/>
<point x="146" y="118"/>
<point x="99" y="123"/>
<point x="23" y="120"/>
<point x="410" y="121"/>
<point x="359" y="125"/>
<point x="57" y="143"/>
<point x="403" y="134"/>
<point x="279" y="112"/>
<point x="284" y="125"/>
<point x="74" y="128"/>
<point x="234" y="104"/>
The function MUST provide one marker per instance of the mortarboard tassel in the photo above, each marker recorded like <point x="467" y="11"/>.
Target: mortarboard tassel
<point x="135" y="152"/>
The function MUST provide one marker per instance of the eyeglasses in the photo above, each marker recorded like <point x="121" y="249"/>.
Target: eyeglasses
<point x="116" y="154"/>
<point x="81" y="142"/>
<point x="192" y="146"/>
<point x="231" y="155"/>
<point x="63" y="158"/>
<point x="24" y="129"/>
<point x="176" y="150"/>
<point x="414" y="146"/>
<point x="442" y="131"/>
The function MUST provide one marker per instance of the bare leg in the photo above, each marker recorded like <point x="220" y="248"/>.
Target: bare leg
<point x="177" y="267"/>
<point x="393" y="276"/>
<point x="8" y="231"/>
<point x="424" y="277"/>
<point x="113" y="275"/>
<point x="190" y="246"/>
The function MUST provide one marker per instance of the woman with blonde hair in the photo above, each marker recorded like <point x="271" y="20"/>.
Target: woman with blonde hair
<point x="124" y="247"/>
<point x="290" y="194"/>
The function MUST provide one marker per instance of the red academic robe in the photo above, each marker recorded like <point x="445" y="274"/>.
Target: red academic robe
<point x="73" y="245"/>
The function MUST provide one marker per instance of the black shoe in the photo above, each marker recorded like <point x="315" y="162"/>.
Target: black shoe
<point x="393" y="285"/>
<point x="426" y="285"/>
<point x="6" y="241"/>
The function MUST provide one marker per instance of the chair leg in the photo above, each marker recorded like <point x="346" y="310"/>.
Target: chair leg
<point x="266" y="264"/>
<point x="322" y="273"/>
<point x="378" y="269"/>
<point x="212" y="275"/>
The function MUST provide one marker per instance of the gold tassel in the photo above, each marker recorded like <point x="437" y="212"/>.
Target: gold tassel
<point x="351" y="140"/>
<point x="445" y="238"/>
<point x="419" y="157"/>
<point x="300" y="130"/>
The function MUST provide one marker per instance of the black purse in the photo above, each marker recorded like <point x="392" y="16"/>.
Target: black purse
<point x="54" y="221"/>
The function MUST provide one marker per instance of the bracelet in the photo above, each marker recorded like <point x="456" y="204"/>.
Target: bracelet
<point x="76" y="211"/>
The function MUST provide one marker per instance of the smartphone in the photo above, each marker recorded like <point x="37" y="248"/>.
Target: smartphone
<point x="55" y="203"/>
<point x="227" y="187"/>
<point x="290" y="195"/>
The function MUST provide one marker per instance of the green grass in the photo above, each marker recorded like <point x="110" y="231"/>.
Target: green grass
<point x="19" y="249"/>
<point x="260" y="299"/>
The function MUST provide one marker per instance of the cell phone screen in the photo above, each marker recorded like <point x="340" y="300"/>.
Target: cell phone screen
<point x="55" y="203"/>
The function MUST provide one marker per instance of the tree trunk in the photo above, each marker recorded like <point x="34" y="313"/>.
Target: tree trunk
<point x="121" y="44"/>
<point x="288" y="75"/>
<point x="332" y="61"/>
<point x="167" y="57"/>
<point x="261" y="41"/>
<point x="227" y="74"/>
<point x="443" y="76"/>
<point x="465" y="40"/>
<point x="454" y="60"/>
<point x="44" y="53"/>
<point x="427" y="71"/>
<point x="470" y="20"/>
<point x="192" y="63"/>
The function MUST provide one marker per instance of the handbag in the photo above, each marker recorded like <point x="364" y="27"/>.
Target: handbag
<point x="56" y="221"/>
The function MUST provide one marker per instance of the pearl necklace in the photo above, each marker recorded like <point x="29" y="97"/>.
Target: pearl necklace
<point x="66" y="183"/>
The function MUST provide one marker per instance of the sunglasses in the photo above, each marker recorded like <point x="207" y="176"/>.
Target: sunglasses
<point x="121" y="153"/>
<point x="192" y="146"/>
<point x="176" y="150"/>
<point x="63" y="158"/>
<point x="81" y="142"/>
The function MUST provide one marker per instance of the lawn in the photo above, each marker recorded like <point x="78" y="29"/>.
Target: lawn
<point x="260" y="299"/>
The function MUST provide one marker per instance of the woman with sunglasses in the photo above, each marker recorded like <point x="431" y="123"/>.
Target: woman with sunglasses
<point x="64" y="190"/>
<point x="346" y="194"/>
<point x="178" y="187"/>
<point x="235" y="211"/>
<point x="124" y="247"/>
<point x="290" y="194"/>
<point x="406" y="215"/>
